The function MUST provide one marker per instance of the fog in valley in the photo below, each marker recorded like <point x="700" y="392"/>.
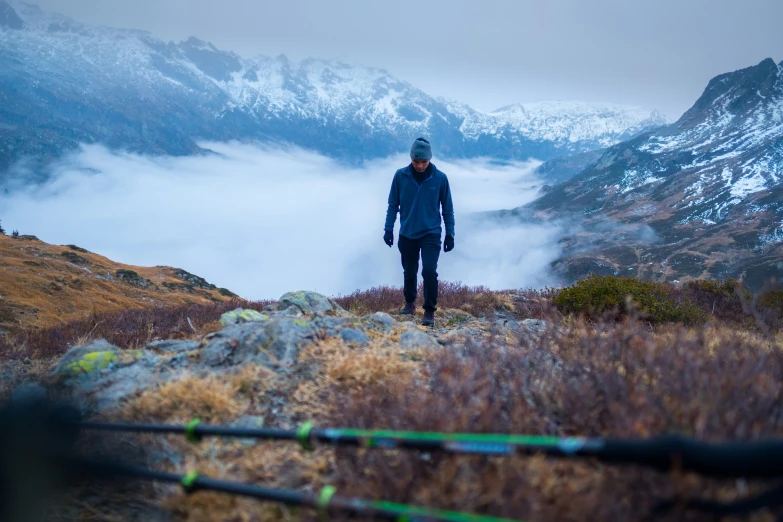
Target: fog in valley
<point x="263" y="221"/>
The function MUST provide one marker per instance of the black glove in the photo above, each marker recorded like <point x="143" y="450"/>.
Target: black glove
<point x="388" y="238"/>
<point x="448" y="244"/>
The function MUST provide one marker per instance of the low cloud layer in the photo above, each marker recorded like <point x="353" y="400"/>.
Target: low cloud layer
<point x="263" y="221"/>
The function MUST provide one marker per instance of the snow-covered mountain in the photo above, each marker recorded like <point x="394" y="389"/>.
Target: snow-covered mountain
<point x="62" y="83"/>
<point x="710" y="185"/>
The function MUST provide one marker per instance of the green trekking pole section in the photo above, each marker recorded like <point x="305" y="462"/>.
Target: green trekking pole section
<point x="326" y="500"/>
<point x="485" y="444"/>
<point x="758" y="459"/>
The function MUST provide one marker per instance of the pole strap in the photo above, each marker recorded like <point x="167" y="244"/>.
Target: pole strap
<point x="325" y="497"/>
<point x="190" y="431"/>
<point x="303" y="436"/>
<point x="189" y="481"/>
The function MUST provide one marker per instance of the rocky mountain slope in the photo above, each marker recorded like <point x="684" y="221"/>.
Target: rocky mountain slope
<point x="63" y="83"/>
<point x="700" y="197"/>
<point x="43" y="285"/>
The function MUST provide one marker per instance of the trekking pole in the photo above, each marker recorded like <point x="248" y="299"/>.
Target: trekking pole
<point x="325" y="500"/>
<point x="751" y="459"/>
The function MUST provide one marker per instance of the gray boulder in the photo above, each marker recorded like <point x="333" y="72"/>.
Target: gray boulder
<point x="463" y="334"/>
<point x="508" y="322"/>
<point x="415" y="339"/>
<point x="219" y="351"/>
<point x="274" y="342"/>
<point x="311" y="303"/>
<point x="534" y="326"/>
<point x="379" y="321"/>
<point x="353" y="336"/>
<point x="241" y="315"/>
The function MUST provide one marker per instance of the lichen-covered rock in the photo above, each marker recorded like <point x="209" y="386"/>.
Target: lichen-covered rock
<point x="100" y="375"/>
<point x="116" y="385"/>
<point x="415" y="339"/>
<point x="86" y="358"/>
<point x="379" y="321"/>
<point x="241" y="315"/>
<point x="311" y="303"/>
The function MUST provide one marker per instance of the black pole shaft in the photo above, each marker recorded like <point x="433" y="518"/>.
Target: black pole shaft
<point x="750" y="459"/>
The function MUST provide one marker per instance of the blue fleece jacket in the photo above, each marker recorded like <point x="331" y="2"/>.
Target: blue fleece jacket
<point x="420" y="205"/>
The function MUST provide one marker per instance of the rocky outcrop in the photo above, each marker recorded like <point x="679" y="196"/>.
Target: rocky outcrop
<point x="99" y="375"/>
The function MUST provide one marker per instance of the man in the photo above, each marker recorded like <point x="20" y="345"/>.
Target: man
<point x="418" y="192"/>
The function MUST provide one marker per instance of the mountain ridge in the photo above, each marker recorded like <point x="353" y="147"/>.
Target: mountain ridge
<point x="708" y="185"/>
<point x="92" y="84"/>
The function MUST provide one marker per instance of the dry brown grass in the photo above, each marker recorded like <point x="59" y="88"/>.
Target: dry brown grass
<point x="41" y="288"/>
<point x="216" y="399"/>
<point x="622" y="379"/>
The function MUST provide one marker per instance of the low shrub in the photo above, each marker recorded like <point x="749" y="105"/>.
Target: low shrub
<point x="719" y="299"/>
<point x="612" y="297"/>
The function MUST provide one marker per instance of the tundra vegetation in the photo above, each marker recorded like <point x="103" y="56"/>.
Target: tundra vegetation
<point x="606" y="357"/>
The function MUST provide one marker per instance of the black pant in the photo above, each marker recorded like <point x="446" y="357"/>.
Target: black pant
<point x="429" y="246"/>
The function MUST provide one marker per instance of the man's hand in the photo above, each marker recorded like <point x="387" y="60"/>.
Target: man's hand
<point x="388" y="238"/>
<point x="448" y="244"/>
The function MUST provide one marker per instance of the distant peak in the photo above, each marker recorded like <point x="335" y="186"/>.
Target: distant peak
<point x="199" y="44"/>
<point x="737" y="93"/>
<point x="508" y="108"/>
<point x="9" y="18"/>
<point x="559" y="106"/>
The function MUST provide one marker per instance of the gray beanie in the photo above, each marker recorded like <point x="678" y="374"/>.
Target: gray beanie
<point x="421" y="150"/>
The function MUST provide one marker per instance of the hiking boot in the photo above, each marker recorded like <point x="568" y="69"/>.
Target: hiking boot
<point x="409" y="309"/>
<point x="429" y="319"/>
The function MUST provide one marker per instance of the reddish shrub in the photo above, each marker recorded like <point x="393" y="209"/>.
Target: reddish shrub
<point x="127" y="329"/>
<point x="623" y="381"/>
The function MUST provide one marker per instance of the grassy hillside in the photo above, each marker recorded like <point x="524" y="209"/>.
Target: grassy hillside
<point x="43" y="285"/>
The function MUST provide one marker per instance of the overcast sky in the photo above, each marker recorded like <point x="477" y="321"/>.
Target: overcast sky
<point x="489" y="53"/>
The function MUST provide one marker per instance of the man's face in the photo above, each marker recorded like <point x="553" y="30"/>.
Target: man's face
<point x="420" y="165"/>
